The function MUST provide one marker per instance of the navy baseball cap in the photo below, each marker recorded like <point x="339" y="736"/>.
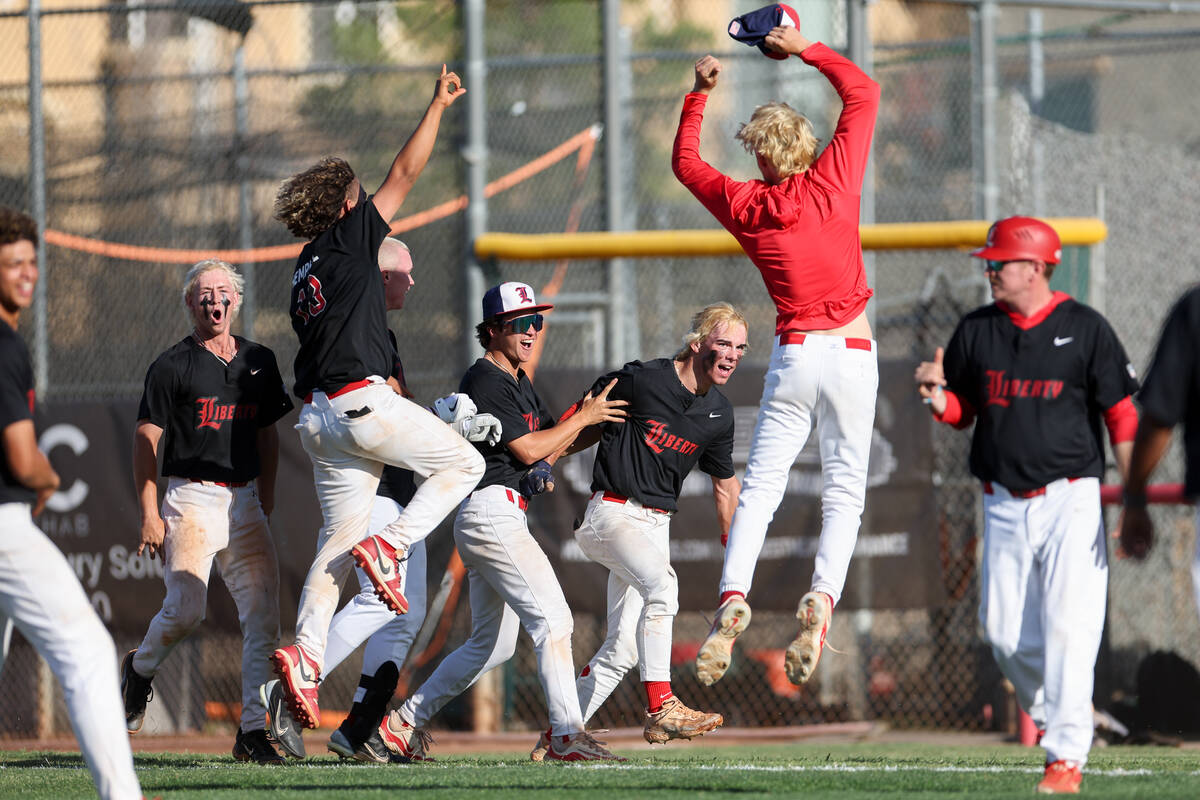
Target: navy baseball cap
<point x="511" y="297"/>
<point x="752" y="28"/>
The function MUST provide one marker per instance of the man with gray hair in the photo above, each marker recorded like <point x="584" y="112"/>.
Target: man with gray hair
<point x="216" y="397"/>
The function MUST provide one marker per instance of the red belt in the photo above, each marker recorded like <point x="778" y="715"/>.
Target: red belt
<point x="795" y="337"/>
<point x="517" y="499"/>
<point x="1025" y="495"/>
<point x="613" y="497"/>
<point x="228" y="484"/>
<point x="349" y="387"/>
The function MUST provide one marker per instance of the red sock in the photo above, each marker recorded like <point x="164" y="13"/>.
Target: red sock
<point x="726" y="595"/>
<point x="656" y="693"/>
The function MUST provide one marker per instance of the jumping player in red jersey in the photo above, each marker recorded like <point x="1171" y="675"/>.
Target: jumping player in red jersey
<point x="799" y="225"/>
<point x="678" y="419"/>
<point x="1039" y="373"/>
<point x="39" y="592"/>
<point x="355" y="418"/>
<point x="210" y="406"/>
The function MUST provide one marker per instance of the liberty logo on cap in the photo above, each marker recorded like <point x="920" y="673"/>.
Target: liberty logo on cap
<point x="510" y="297"/>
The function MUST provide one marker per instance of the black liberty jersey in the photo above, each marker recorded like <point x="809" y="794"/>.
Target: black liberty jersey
<point x="337" y="304"/>
<point x="1171" y="392"/>
<point x="668" y="431"/>
<point x="396" y="482"/>
<point x="16" y="405"/>
<point x="210" y="411"/>
<point x="519" y="409"/>
<point x="1040" y="386"/>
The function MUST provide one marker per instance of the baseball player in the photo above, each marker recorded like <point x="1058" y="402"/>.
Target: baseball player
<point x="366" y="617"/>
<point x="355" y="419"/>
<point x="1039" y="373"/>
<point x="678" y="418"/>
<point x="1170" y="394"/>
<point x="209" y="406"/>
<point x="799" y="225"/>
<point x="508" y="573"/>
<point x="39" y="592"/>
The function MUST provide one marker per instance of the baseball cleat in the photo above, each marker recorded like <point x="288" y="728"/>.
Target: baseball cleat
<point x="281" y="726"/>
<point x="1062" y="777"/>
<point x="580" y="746"/>
<point x="676" y="721"/>
<point x="378" y="560"/>
<point x="538" y="753"/>
<point x="254" y="746"/>
<point x="404" y="740"/>
<point x="717" y="651"/>
<point x="374" y="751"/>
<point x="136" y="692"/>
<point x="299" y="675"/>
<point x="815" y="612"/>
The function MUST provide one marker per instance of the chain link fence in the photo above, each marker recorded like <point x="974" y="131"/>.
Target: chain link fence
<point x="170" y="129"/>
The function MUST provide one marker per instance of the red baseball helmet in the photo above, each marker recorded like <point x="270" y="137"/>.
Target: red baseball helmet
<point x="1021" y="239"/>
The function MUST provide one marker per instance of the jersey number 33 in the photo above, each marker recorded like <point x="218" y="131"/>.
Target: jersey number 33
<point x="309" y="302"/>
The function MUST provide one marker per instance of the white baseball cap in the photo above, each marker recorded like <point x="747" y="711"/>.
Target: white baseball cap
<point x="509" y="297"/>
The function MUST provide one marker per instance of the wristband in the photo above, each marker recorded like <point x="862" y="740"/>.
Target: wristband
<point x="1133" y="499"/>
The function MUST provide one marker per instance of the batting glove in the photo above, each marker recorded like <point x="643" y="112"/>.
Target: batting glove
<point x="454" y="408"/>
<point x="538" y="479"/>
<point x="479" y="428"/>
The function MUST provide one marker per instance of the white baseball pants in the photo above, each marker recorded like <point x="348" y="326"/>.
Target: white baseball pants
<point x="509" y="575"/>
<point x="348" y="454"/>
<point x="643" y="595"/>
<point x="821" y="384"/>
<point x="41" y="595"/>
<point x="1043" y="589"/>
<point x="366" y="618"/>
<point x="207" y="522"/>
<point x="1196" y="562"/>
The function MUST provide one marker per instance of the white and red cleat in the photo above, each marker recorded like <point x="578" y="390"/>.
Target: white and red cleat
<point x="1062" y="777"/>
<point x="815" y="612"/>
<point x="378" y="560"/>
<point x="298" y="676"/>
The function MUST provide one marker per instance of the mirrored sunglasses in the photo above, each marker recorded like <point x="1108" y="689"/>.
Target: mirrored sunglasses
<point x="996" y="266"/>
<point x="523" y="324"/>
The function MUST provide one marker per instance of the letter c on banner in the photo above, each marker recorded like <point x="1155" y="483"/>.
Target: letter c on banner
<point x="65" y="434"/>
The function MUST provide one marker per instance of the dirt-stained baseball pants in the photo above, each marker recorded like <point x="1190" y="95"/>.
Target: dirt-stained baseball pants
<point x="509" y="576"/>
<point x="826" y="383"/>
<point x="1043" y="591"/>
<point x="41" y="595"/>
<point x="207" y="522"/>
<point x="643" y="595"/>
<point x="348" y="451"/>
<point x="365" y="618"/>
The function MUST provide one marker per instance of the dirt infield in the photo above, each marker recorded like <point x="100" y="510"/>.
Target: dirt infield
<point x="460" y="742"/>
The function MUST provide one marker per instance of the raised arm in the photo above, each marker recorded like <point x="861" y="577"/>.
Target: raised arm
<point x="411" y="159"/>
<point x="843" y="163"/>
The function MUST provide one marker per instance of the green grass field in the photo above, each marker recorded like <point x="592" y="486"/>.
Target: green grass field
<point x="808" y="770"/>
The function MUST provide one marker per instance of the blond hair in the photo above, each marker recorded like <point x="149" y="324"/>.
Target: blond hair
<point x="208" y="265"/>
<point x="705" y="321"/>
<point x="309" y="202"/>
<point x="782" y="136"/>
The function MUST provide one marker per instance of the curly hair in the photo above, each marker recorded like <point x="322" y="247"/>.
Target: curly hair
<point x="705" y="321"/>
<point x="309" y="203"/>
<point x="16" y="226"/>
<point x="782" y="136"/>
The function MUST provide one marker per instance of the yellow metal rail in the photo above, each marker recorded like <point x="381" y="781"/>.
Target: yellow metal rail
<point x="683" y="243"/>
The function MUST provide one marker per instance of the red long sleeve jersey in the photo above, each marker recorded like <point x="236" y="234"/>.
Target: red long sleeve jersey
<point x="802" y="234"/>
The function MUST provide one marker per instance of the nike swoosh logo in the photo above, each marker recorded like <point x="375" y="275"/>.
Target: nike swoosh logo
<point x="256" y="371"/>
<point x="385" y="569"/>
<point x="304" y="671"/>
<point x="712" y="415"/>
<point x="1060" y="342"/>
<point x="283" y="727"/>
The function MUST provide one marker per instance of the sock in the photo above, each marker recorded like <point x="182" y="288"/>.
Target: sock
<point x="656" y="693"/>
<point x="374" y="693"/>
<point x="726" y="595"/>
